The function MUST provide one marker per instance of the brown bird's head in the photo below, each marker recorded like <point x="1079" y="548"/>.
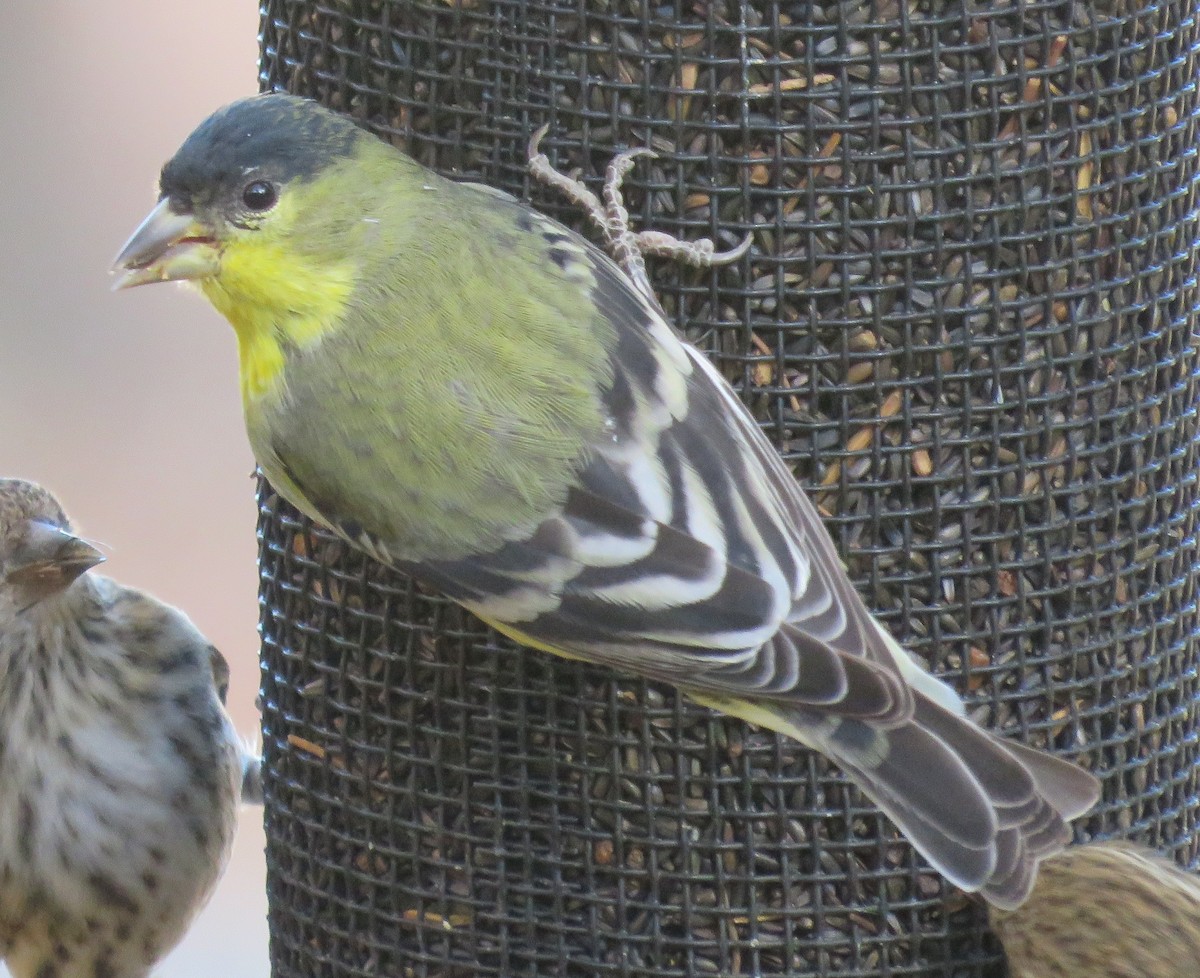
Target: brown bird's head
<point x="40" y="556"/>
<point x="1105" y="909"/>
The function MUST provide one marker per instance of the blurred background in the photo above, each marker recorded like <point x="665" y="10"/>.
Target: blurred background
<point x="126" y="404"/>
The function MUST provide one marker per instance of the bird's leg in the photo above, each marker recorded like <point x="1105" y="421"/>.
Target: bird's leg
<point x="621" y="241"/>
<point x="611" y="218"/>
<point x="701" y="253"/>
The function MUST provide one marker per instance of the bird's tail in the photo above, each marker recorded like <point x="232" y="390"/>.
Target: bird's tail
<point x="984" y="811"/>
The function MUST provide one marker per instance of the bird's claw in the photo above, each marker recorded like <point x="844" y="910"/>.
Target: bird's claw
<point x="574" y="190"/>
<point x="611" y="218"/>
<point x="700" y="253"/>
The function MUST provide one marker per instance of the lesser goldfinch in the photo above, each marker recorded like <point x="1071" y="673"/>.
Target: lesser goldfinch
<point x="120" y="771"/>
<point x="474" y="394"/>
<point x="1105" y="910"/>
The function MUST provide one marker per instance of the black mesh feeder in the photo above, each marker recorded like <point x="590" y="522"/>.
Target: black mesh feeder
<point x="968" y="322"/>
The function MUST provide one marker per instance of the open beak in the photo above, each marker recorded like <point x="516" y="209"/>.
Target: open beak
<point x="49" y="560"/>
<point x="166" y="247"/>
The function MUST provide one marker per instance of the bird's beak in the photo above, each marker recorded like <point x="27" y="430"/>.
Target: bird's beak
<point x="166" y="247"/>
<point x="49" y="560"/>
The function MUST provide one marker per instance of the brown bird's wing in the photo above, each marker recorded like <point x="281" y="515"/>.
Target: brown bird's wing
<point x="220" y="672"/>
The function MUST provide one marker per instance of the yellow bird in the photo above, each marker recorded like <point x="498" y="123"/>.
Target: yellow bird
<point x="477" y="396"/>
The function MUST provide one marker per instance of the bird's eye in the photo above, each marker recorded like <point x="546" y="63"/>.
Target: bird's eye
<point x="259" y="195"/>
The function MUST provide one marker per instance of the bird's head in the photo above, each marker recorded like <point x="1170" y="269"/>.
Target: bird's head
<point x="245" y="179"/>
<point x="263" y="208"/>
<point x="40" y="556"/>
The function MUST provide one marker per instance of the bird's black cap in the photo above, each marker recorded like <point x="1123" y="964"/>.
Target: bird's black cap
<point x="280" y="137"/>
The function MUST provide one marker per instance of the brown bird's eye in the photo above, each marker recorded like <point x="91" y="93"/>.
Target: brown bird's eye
<point x="259" y="195"/>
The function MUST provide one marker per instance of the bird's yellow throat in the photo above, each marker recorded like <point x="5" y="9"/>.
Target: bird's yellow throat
<point x="273" y="297"/>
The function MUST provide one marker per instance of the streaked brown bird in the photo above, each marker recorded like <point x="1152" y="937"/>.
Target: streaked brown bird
<point x="120" y="771"/>
<point x="1105" y="910"/>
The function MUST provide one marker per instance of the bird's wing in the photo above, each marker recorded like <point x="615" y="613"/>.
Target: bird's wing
<point x="686" y="552"/>
<point x="220" y="672"/>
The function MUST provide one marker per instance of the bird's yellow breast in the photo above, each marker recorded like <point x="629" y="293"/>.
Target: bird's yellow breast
<point x="274" y="298"/>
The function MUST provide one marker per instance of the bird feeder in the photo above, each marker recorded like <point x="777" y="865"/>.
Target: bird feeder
<point x="968" y="321"/>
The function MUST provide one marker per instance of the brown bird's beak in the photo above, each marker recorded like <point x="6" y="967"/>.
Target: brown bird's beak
<point x="166" y="247"/>
<point x="49" y="560"/>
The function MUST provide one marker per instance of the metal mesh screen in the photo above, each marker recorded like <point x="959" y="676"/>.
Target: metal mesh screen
<point x="967" y="321"/>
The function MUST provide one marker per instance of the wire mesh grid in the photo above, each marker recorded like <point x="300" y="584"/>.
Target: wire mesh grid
<point x="967" y="322"/>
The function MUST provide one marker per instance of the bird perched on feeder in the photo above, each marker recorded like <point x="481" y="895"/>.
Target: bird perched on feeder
<point x="1105" y="910"/>
<point x="475" y="395"/>
<point x="120" y="771"/>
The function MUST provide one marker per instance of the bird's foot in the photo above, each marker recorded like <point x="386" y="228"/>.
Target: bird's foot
<point x="627" y="247"/>
<point x="573" y="189"/>
<point x="701" y="253"/>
